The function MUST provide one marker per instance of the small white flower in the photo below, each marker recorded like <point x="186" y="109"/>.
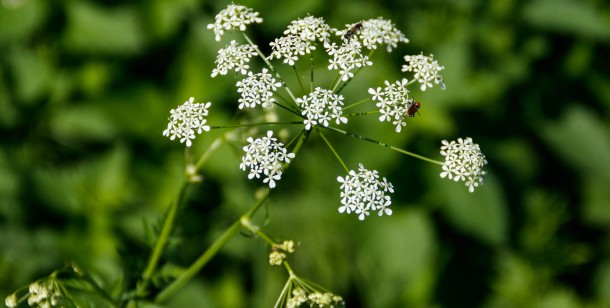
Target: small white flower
<point x="346" y="57"/>
<point x="11" y="301"/>
<point x="43" y="294"/>
<point x="363" y="192"/>
<point x="257" y="89"/>
<point x="426" y="70"/>
<point x="320" y="107"/>
<point x="265" y="156"/>
<point x="299" y="296"/>
<point x="233" y="57"/>
<point x="276" y="258"/>
<point x="464" y="161"/>
<point x="187" y="119"/>
<point x="234" y="17"/>
<point x="377" y="31"/>
<point x="393" y="102"/>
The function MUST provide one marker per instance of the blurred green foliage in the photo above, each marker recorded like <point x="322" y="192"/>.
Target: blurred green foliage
<point x="85" y="174"/>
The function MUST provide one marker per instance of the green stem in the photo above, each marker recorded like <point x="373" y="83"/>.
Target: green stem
<point x="247" y="223"/>
<point x="262" y="56"/>
<point x="296" y="73"/>
<point x="161" y="241"/>
<point x="255" y="124"/>
<point x="283" y="296"/>
<point x="335" y="82"/>
<point x="355" y="74"/>
<point x="385" y="145"/>
<point x="361" y="113"/>
<point x="311" y="72"/>
<point x="290" y="271"/>
<point x="190" y="272"/>
<point x="357" y="103"/>
<point x="208" y="152"/>
<point x="332" y="149"/>
<point x="295" y="112"/>
<point x="187" y="275"/>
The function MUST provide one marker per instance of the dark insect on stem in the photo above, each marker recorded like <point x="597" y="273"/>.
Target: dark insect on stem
<point x="351" y="31"/>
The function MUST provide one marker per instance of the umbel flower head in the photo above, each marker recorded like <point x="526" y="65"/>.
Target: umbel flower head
<point x="234" y="17"/>
<point x="393" y="102"/>
<point x="464" y="161"/>
<point x="257" y="89"/>
<point x="278" y="255"/>
<point x="187" y="119"/>
<point x="314" y="299"/>
<point x="346" y="58"/>
<point x="364" y="192"/>
<point x="426" y="70"/>
<point x="233" y="57"/>
<point x="378" y="31"/>
<point x="310" y="28"/>
<point x="299" y="39"/>
<point x="299" y="292"/>
<point x="320" y="107"/>
<point x="265" y="156"/>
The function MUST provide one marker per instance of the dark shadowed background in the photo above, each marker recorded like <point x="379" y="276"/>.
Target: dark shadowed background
<point x="85" y="93"/>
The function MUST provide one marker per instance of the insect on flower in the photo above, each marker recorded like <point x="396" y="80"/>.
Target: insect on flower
<point x="413" y="109"/>
<point x="351" y="31"/>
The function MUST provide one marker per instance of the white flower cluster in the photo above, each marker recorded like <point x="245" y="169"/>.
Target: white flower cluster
<point x="364" y="192"/>
<point x="233" y="57"/>
<point x="257" y="89"/>
<point x="45" y="294"/>
<point x="265" y="156"/>
<point x="464" y="161"/>
<point x="11" y="301"/>
<point x="315" y="299"/>
<point x="290" y="47"/>
<point x="276" y="257"/>
<point x="187" y="119"/>
<point x="426" y="70"/>
<point x="310" y="29"/>
<point x="320" y="107"/>
<point x="346" y="57"/>
<point x="378" y="31"/>
<point x="299" y="39"/>
<point x="234" y="17"/>
<point x="393" y="102"/>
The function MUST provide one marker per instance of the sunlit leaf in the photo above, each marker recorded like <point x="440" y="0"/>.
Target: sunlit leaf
<point x="19" y="21"/>
<point x="582" y="141"/>
<point x="94" y="29"/>
<point x="581" y="18"/>
<point x="481" y="214"/>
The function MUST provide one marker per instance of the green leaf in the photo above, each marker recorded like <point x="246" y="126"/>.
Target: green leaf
<point x="400" y="249"/>
<point x="480" y="214"/>
<point x="79" y="123"/>
<point x="33" y="73"/>
<point x="581" y="18"/>
<point x="581" y="140"/>
<point x="94" y="29"/>
<point x="21" y="20"/>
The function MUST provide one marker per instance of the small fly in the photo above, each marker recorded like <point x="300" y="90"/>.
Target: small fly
<point x="352" y="31"/>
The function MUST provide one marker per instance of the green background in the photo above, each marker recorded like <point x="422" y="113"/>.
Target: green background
<point x="85" y="173"/>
